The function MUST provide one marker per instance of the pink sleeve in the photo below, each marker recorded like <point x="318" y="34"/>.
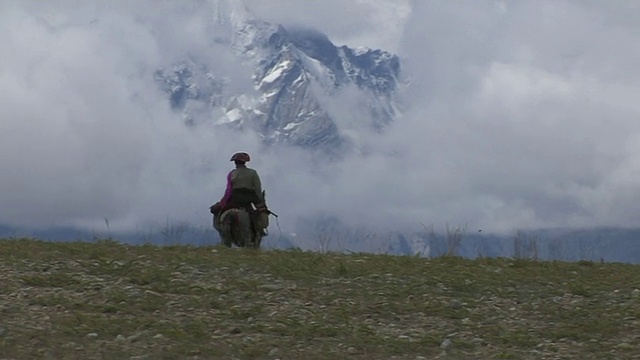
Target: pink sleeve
<point x="227" y="192"/>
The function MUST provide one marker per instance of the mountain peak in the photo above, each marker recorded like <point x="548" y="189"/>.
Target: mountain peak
<point x="296" y="71"/>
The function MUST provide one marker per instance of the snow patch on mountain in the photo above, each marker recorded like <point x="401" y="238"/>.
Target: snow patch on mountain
<point x="276" y="72"/>
<point x="306" y="88"/>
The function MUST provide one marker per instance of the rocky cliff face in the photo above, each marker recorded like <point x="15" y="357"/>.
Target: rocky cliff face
<point x="302" y="84"/>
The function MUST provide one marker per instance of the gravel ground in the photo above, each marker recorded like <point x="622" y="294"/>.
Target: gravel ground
<point x="107" y="300"/>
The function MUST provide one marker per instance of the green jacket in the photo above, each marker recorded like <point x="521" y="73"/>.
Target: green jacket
<point x="247" y="181"/>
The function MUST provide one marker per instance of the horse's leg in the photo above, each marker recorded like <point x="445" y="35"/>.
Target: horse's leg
<point x="244" y="228"/>
<point x="225" y="229"/>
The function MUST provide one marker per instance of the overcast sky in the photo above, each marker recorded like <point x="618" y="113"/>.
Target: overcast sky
<point x="518" y="114"/>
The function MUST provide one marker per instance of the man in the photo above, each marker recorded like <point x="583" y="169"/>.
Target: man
<point x="243" y="184"/>
<point x="243" y="188"/>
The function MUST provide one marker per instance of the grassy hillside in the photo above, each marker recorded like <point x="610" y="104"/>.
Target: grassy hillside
<point x="108" y="300"/>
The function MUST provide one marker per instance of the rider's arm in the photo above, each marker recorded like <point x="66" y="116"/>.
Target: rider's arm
<point x="228" y="190"/>
<point x="257" y="185"/>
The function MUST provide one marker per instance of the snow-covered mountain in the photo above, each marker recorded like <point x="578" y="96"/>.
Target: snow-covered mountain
<point x="307" y="91"/>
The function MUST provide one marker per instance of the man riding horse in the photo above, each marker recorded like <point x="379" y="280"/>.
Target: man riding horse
<point x="243" y="189"/>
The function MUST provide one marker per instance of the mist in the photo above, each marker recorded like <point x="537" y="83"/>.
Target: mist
<point x="515" y="115"/>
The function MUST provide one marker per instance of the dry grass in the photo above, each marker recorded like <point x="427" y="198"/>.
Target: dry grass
<point x="108" y="300"/>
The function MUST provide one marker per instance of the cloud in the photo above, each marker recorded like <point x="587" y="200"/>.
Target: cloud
<point x="370" y="23"/>
<point x="535" y="115"/>
<point x="516" y="115"/>
<point x="86" y="134"/>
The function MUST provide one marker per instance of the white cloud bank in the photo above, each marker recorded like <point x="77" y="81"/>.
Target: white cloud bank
<point x="519" y="114"/>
